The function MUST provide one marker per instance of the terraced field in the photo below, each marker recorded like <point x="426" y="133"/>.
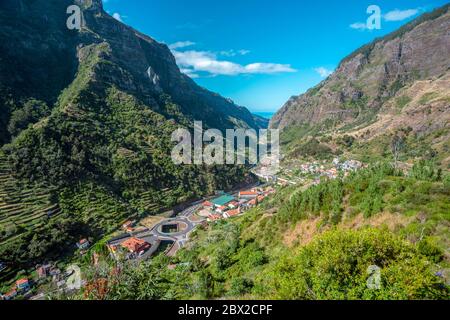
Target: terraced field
<point x="96" y="207"/>
<point x="22" y="206"/>
<point x="147" y="202"/>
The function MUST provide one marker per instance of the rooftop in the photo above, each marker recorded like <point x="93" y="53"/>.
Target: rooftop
<point x="21" y="281"/>
<point x="232" y="213"/>
<point x="248" y="193"/>
<point x="222" y="200"/>
<point x="134" y="244"/>
<point x="215" y="217"/>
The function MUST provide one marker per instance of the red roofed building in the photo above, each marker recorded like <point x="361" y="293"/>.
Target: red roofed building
<point x="232" y="213"/>
<point x="135" y="245"/>
<point x="10" y="295"/>
<point x="23" y="284"/>
<point x="207" y="204"/>
<point x="214" y="217"/>
<point x="83" y="244"/>
<point x="222" y="209"/>
<point x="43" y="271"/>
<point x="233" y="205"/>
<point x="248" y="194"/>
<point x="128" y="225"/>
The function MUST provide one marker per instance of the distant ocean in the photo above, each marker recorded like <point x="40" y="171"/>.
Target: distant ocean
<point x="267" y="115"/>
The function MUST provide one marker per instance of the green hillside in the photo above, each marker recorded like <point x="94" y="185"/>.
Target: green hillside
<point x="87" y="144"/>
<point x="316" y="243"/>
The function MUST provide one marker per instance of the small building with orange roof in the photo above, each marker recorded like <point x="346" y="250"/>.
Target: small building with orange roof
<point x="232" y="213"/>
<point x="128" y="225"/>
<point x="214" y="217"/>
<point x="252" y="202"/>
<point x="135" y="245"/>
<point x="233" y="205"/>
<point x="207" y="204"/>
<point x="222" y="209"/>
<point x="10" y="295"/>
<point x="83" y="244"/>
<point x="23" y="284"/>
<point x="250" y="194"/>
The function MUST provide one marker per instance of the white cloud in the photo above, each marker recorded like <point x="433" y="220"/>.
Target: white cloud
<point x="324" y="72"/>
<point x="359" y="26"/>
<point x="399" y="15"/>
<point x="181" y="44"/>
<point x="192" y="62"/>
<point x="190" y="73"/>
<point x="233" y="53"/>
<point x="117" y="16"/>
<point x="394" y="15"/>
<point x="244" y="52"/>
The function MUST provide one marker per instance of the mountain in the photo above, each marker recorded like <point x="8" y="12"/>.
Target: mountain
<point x="41" y="57"/>
<point x="86" y="122"/>
<point x="400" y="81"/>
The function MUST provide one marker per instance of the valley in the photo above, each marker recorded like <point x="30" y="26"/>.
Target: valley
<point x="94" y="205"/>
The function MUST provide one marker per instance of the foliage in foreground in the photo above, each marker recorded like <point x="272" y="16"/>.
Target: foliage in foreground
<point x="335" y="266"/>
<point x="245" y="257"/>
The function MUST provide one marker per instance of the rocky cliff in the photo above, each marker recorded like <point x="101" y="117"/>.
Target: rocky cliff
<point x="86" y="118"/>
<point x="41" y="57"/>
<point x="372" y="83"/>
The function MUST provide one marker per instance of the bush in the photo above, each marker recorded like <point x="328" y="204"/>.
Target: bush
<point x="335" y="266"/>
<point x="426" y="170"/>
<point x="430" y="249"/>
<point x="32" y="111"/>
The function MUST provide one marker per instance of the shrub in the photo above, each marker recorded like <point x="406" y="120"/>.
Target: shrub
<point x="335" y="266"/>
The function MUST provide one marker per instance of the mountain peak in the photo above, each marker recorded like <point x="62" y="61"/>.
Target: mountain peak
<point x="365" y="80"/>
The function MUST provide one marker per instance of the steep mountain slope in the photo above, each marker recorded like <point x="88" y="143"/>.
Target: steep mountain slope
<point x="400" y="80"/>
<point x="86" y="122"/>
<point x="41" y="56"/>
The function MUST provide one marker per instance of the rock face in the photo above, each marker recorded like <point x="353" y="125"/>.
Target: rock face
<point x="41" y="57"/>
<point x="354" y="95"/>
<point x="89" y="109"/>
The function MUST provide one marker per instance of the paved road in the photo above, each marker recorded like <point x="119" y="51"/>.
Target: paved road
<point x="154" y="236"/>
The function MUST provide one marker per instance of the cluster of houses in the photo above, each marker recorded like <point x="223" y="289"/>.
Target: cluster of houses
<point x="21" y="287"/>
<point x="44" y="272"/>
<point x="348" y="165"/>
<point x="316" y="168"/>
<point x="227" y="206"/>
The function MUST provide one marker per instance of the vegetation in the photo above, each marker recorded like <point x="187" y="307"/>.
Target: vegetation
<point x="335" y="266"/>
<point x="247" y="257"/>
<point x="98" y="157"/>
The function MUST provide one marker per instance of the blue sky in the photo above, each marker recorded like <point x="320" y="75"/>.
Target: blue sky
<point x="261" y="52"/>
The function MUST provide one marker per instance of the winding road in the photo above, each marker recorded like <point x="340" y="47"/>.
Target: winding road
<point x="155" y="235"/>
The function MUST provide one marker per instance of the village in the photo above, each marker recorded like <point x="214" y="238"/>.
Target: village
<point x="171" y="234"/>
<point x="311" y="173"/>
<point x="137" y="242"/>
